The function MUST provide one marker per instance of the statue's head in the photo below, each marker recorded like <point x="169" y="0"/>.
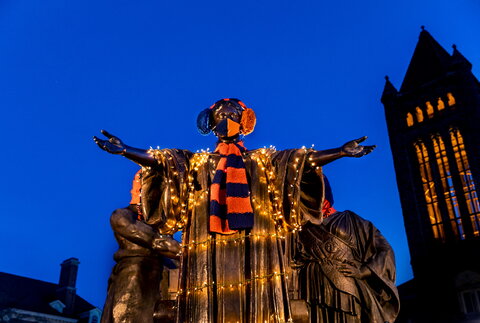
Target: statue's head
<point x="228" y="119"/>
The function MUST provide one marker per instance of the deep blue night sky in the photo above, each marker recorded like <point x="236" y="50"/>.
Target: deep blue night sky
<point x="313" y="71"/>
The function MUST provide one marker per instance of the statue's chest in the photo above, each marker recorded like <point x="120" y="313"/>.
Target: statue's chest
<point x="332" y="248"/>
<point x="211" y="166"/>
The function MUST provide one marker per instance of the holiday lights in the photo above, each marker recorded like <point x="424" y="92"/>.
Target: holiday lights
<point x="227" y="239"/>
<point x="262" y="279"/>
<point x="263" y="157"/>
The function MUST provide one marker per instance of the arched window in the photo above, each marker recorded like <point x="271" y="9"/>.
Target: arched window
<point x="431" y="197"/>
<point x="409" y="119"/>
<point x="419" y="114"/>
<point x="468" y="184"/>
<point x="429" y="109"/>
<point x="440" y="104"/>
<point x="451" y="99"/>
<point x="449" y="193"/>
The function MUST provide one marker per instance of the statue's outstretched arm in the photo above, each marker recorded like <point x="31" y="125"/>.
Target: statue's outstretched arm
<point x="349" y="149"/>
<point x="116" y="146"/>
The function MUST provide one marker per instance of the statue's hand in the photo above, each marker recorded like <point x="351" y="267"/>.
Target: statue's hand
<point x="113" y="145"/>
<point x="166" y="246"/>
<point x="350" y="270"/>
<point x="354" y="149"/>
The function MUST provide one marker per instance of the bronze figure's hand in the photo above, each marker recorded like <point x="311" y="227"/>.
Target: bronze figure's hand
<point x="113" y="145"/>
<point x="354" y="149"/>
<point x="166" y="246"/>
<point x="350" y="270"/>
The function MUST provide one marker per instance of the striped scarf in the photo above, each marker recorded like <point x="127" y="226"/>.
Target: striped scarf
<point x="230" y="207"/>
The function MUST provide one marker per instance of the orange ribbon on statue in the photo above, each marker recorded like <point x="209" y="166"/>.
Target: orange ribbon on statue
<point x="136" y="193"/>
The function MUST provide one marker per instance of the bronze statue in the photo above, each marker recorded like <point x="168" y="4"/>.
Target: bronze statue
<point x="347" y="269"/>
<point x="133" y="287"/>
<point x="234" y="207"/>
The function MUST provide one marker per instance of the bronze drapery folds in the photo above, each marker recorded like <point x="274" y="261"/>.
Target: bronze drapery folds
<point x="240" y="277"/>
<point x="344" y="238"/>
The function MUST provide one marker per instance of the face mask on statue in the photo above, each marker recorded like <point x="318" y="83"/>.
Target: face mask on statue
<point x="227" y="128"/>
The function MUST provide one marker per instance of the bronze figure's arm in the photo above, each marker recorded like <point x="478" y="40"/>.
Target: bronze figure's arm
<point x="165" y="245"/>
<point x="115" y="145"/>
<point x="349" y="149"/>
<point x="125" y="224"/>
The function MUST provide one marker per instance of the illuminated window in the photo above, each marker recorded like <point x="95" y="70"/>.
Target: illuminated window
<point x="419" y="114"/>
<point x="409" y="119"/>
<point x="431" y="197"/>
<point x="447" y="185"/>
<point x="429" y="109"/>
<point x="468" y="184"/>
<point x="440" y="104"/>
<point x="451" y="99"/>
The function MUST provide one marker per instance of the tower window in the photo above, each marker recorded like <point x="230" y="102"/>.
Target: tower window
<point x="429" y="109"/>
<point x="451" y="99"/>
<point x="419" y="114"/>
<point x="431" y="197"/>
<point x="468" y="184"/>
<point x="470" y="300"/>
<point x="409" y="119"/>
<point x="449" y="193"/>
<point x="440" y="104"/>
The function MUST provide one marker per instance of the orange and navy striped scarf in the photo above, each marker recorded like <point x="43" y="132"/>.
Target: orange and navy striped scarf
<point x="230" y="206"/>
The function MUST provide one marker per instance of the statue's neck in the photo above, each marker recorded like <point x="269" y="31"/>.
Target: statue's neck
<point x="229" y="140"/>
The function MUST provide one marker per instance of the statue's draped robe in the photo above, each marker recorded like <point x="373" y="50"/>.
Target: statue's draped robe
<point x="240" y="277"/>
<point x="345" y="237"/>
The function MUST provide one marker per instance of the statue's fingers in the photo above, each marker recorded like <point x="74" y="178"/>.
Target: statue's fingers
<point x="346" y="272"/>
<point x="107" y="134"/>
<point x="360" y="154"/>
<point x="100" y="143"/>
<point x="98" y="140"/>
<point x="350" y="263"/>
<point x="362" y="139"/>
<point x="368" y="149"/>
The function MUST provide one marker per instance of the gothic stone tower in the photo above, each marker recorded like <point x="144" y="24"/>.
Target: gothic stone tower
<point x="434" y="129"/>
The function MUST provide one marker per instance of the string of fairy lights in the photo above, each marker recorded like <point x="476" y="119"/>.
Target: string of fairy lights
<point x="262" y="279"/>
<point x="227" y="239"/>
<point x="184" y="197"/>
<point x="224" y="240"/>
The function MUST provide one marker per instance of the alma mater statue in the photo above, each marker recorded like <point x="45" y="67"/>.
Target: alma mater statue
<point x="235" y="208"/>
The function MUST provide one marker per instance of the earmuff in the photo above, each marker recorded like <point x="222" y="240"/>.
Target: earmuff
<point x="247" y="122"/>
<point x="204" y="121"/>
